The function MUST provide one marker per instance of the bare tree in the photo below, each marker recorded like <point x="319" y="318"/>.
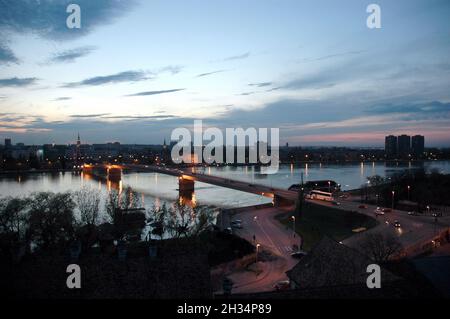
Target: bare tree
<point x="180" y="220"/>
<point x="380" y="247"/>
<point x="12" y="215"/>
<point x="126" y="199"/>
<point x="88" y="203"/>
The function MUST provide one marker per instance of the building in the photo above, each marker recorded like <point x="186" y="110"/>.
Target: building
<point x="8" y="143"/>
<point x="330" y="263"/>
<point x="418" y="145"/>
<point x="390" y="146"/>
<point x="404" y="145"/>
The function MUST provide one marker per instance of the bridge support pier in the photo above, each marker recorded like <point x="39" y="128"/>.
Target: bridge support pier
<point x="186" y="187"/>
<point x="114" y="174"/>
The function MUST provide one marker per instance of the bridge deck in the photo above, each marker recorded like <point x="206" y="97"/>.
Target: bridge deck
<point x="218" y="181"/>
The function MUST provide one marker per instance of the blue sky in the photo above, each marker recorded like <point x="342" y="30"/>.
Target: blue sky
<point x="138" y="69"/>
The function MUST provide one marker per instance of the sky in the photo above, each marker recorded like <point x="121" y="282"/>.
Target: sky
<point x="138" y="69"/>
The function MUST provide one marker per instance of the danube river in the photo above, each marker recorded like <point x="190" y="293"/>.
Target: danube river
<point x="155" y="189"/>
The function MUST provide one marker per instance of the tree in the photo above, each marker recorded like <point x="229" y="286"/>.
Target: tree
<point x="87" y="201"/>
<point x="380" y="247"/>
<point x="12" y="215"/>
<point x="180" y="220"/>
<point x="125" y="199"/>
<point x="51" y="220"/>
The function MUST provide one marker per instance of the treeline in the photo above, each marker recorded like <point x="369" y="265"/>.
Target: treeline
<point x="49" y="222"/>
<point x="419" y="186"/>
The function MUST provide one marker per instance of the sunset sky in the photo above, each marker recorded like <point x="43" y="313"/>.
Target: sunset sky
<point x="138" y="69"/>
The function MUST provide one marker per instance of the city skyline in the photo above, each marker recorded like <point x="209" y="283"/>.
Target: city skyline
<point x="320" y="75"/>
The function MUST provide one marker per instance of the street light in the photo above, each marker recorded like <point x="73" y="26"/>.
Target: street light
<point x="409" y="189"/>
<point x="393" y="197"/>
<point x="428" y="209"/>
<point x="257" y="250"/>
<point x="293" y="225"/>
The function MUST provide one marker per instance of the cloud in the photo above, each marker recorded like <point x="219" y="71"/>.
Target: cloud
<point x="140" y="117"/>
<point x="17" y="82"/>
<point x="62" y="98"/>
<point x="71" y="55"/>
<point x="6" y="55"/>
<point x="47" y="18"/>
<point x="172" y="69"/>
<point x="127" y="76"/>
<point x="89" y="115"/>
<point x="155" y="92"/>
<point x="209" y="73"/>
<point x="424" y="108"/>
<point x="332" y="56"/>
<point x="261" y="84"/>
<point x="238" y="57"/>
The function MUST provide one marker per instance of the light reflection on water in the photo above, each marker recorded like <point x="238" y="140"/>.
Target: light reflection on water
<point x="155" y="189"/>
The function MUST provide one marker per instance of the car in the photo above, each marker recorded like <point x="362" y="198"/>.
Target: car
<point x="282" y="285"/>
<point x="397" y="224"/>
<point x="236" y="224"/>
<point x="437" y="214"/>
<point x="378" y="211"/>
<point x="228" y="230"/>
<point x="387" y="210"/>
<point x="412" y="213"/>
<point x="362" y="206"/>
<point x="298" y="254"/>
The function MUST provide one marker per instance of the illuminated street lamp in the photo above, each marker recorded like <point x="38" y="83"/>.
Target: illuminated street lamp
<point x="409" y="190"/>
<point x="257" y="251"/>
<point x="393" y="197"/>
<point x="428" y="209"/>
<point x="293" y="225"/>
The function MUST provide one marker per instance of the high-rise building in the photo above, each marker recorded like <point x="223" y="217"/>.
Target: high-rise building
<point x="8" y="143"/>
<point x="390" y="146"/>
<point x="404" y="145"/>
<point x="418" y="145"/>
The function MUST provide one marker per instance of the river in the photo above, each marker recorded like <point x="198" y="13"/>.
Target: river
<point x="155" y="188"/>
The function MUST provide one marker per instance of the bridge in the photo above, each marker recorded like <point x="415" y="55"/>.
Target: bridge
<point x="188" y="177"/>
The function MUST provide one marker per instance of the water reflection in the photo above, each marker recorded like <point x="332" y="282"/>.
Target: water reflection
<point x="156" y="189"/>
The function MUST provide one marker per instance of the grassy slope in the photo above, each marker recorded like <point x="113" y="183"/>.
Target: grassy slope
<point x="317" y="221"/>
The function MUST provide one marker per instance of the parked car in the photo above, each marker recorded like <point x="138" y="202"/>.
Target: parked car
<point x="236" y="224"/>
<point x="282" y="285"/>
<point x="397" y="224"/>
<point x="362" y="206"/>
<point x="379" y="211"/>
<point x="412" y="213"/>
<point x="438" y="214"/>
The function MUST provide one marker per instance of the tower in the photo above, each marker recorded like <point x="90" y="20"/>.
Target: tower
<point x="78" y="150"/>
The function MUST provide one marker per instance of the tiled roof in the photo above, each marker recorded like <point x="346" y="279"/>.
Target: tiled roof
<point x="330" y="263"/>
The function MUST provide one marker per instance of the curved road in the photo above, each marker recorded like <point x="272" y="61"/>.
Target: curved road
<point x="274" y="238"/>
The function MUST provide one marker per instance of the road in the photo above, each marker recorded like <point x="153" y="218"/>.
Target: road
<point x="413" y="230"/>
<point x="274" y="238"/>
